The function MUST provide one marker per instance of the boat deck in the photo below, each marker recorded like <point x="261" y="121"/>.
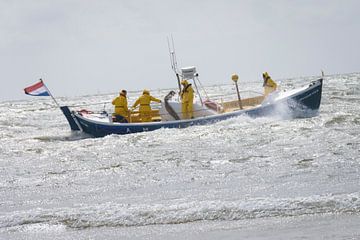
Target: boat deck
<point x="247" y="103"/>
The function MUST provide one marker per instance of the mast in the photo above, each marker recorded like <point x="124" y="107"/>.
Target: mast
<point x="185" y="73"/>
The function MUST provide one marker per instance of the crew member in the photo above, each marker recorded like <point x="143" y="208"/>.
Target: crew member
<point x="121" y="107"/>
<point x="187" y="98"/>
<point x="269" y="84"/>
<point x="145" y="109"/>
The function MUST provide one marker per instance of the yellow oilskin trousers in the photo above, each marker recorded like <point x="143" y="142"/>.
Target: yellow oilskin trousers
<point x="145" y="109"/>
<point x="121" y="106"/>
<point x="187" y="98"/>
<point x="187" y="110"/>
<point x="270" y="86"/>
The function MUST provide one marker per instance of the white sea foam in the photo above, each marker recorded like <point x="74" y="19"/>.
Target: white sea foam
<point x="240" y="169"/>
<point x="112" y="215"/>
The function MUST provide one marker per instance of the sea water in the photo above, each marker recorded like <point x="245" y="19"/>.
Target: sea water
<point x="265" y="178"/>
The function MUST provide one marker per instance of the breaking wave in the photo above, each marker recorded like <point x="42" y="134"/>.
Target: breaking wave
<point x="73" y="136"/>
<point x="115" y="215"/>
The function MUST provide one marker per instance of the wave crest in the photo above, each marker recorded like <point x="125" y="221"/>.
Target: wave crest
<point x="115" y="215"/>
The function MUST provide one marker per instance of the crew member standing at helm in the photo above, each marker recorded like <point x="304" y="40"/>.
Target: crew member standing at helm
<point x="121" y="107"/>
<point x="269" y="84"/>
<point x="145" y="109"/>
<point x="187" y="98"/>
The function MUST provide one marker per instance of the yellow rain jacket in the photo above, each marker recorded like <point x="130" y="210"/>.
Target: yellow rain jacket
<point x="145" y="109"/>
<point x="269" y="84"/>
<point x="121" y="106"/>
<point x="187" y="98"/>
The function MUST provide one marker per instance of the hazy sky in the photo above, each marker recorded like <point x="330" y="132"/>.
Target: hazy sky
<point x="86" y="47"/>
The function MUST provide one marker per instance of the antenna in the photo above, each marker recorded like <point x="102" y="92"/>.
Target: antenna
<point x="174" y="53"/>
<point x="170" y="54"/>
<point x="173" y="60"/>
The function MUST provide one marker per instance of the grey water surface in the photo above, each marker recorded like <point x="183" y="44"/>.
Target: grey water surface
<point x="265" y="178"/>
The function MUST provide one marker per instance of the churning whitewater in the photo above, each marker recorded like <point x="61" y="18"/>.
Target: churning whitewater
<point x="239" y="177"/>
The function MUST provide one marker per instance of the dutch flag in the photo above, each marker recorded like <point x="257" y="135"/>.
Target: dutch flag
<point x="38" y="89"/>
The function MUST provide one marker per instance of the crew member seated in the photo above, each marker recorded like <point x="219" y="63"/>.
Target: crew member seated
<point x="187" y="98"/>
<point x="145" y="109"/>
<point x="121" y="107"/>
<point x="269" y="84"/>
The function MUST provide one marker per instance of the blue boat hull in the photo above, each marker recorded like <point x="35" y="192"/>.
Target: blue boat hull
<point x="304" y="104"/>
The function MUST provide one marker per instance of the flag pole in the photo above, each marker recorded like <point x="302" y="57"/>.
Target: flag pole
<point x="50" y="93"/>
<point x="74" y="123"/>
